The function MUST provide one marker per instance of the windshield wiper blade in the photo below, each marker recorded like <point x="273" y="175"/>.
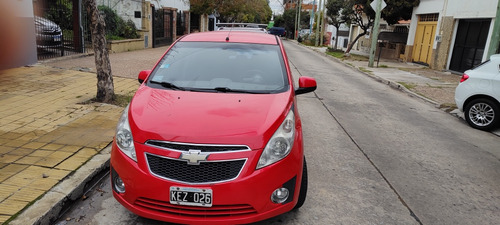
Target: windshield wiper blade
<point x="168" y="85"/>
<point x="229" y="90"/>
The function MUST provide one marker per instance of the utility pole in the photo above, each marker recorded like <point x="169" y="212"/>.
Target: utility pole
<point x="378" y="5"/>
<point x="295" y="27"/>
<point x="311" y="20"/>
<point x="298" y="20"/>
<point x="317" y="25"/>
<point x="322" y="25"/>
<point x="495" y="37"/>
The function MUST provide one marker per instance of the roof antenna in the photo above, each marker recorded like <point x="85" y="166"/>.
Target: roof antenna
<point x="227" y="37"/>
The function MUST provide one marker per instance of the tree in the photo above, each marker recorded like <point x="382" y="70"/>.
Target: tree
<point x="397" y="10"/>
<point x="242" y="11"/>
<point x="392" y="13"/>
<point x="105" y="87"/>
<point x="357" y="10"/>
<point x="287" y="20"/>
<point x="336" y="16"/>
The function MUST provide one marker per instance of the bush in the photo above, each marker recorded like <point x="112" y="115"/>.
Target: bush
<point x="310" y="39"/>
<point x="116" y="27"/>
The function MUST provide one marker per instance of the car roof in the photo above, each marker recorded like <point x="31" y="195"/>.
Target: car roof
<point x="234" y="37"/>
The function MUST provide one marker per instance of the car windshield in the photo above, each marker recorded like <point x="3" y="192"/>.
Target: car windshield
<point x="221" y="67"/>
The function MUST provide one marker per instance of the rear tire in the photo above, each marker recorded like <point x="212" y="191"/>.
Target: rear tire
<point x="303" y="187"/>
<point x="482" y="114"/>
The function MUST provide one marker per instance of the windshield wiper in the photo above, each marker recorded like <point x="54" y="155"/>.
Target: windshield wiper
<point x="168" y="85"/>
<point x="229" y="90"/>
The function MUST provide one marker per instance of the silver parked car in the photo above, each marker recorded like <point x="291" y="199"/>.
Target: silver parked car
<point x="478" y="94"/>
<point x="48" y="34"/>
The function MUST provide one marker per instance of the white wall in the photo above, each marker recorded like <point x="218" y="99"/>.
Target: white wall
<point x="125" y="9"/>
<point x="182" y="5"/>
<point x="425" y="7"/>
<point x="471" y="8"/>
<point x="459" y="9"/>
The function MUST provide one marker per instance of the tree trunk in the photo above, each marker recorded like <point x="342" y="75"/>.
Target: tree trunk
<point x="336" y="37"/>
<point x="105" y="87"/>
<point x="349" y="46"/>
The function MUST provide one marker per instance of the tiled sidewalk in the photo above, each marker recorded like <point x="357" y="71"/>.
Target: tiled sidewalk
<point x="46" y="132"/>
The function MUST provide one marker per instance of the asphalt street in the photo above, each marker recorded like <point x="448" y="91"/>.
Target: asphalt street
<point x="375" y="156"/>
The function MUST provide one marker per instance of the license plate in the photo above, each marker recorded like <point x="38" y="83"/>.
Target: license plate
<point x="191" y="196"/>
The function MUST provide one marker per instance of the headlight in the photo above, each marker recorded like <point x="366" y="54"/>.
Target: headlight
<point x="123" y="137"/>
<point x="280" y="144"/>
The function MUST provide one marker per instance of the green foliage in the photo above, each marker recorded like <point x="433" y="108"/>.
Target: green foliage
<point x="116" y="27"/>
<point x="336" y="12"/>
<point x="61" y="13"/>
<point x="310" y="39"/>
<point x="398" y="10"/>
<point x="241" y="11"/>
<point x="287" y="20"/>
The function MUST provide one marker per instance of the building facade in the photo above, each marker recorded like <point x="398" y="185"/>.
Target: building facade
<point x="451" y="35"/>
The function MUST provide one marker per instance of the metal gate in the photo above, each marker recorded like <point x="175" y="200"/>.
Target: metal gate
<point x="59" y="28"/>
<point x="470" y="43"/>
<point x="163" y="27"/>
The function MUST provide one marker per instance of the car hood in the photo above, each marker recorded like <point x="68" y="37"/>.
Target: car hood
<point x="206" y="118"/>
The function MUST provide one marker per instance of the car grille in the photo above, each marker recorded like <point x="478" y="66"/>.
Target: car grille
<point x="190" y="211"/>
<point x="206" y="172"/>
<point x="202" y="148"/>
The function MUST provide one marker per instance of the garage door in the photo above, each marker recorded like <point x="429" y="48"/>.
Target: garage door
<point x="470" y="44"/>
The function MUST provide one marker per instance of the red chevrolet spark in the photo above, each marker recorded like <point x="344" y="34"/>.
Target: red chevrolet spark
<point x="213" y="134"/>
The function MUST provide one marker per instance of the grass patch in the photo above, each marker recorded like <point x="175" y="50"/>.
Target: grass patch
<point x="408" y="86"/>
<point x="383" y="66"/>
<point x="448" y="107"/>
<point x="336" y="54"/>
<point x="365" y="70"/>
<point x="350" y="64"/>
<point x="355" y="57"/>
<point x="119" y="100"/>
<point x="123" y="100"/>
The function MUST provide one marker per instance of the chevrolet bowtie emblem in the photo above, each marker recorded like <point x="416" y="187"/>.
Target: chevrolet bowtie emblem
<point x="194" y="157"/>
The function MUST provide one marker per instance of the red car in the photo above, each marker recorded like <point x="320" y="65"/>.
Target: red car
<point x="213" y="134"/>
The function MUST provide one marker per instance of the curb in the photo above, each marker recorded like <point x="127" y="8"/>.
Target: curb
<point x="57" y="200"/>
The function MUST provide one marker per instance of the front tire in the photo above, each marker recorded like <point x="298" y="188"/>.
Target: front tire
<point x="482" y="114"/>
<point x="303" y="187"/>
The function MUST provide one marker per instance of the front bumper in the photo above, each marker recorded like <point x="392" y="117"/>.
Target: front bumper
<point x="245" y="199"/>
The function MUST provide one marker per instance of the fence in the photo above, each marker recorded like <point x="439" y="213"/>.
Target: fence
<point x="61" y="28"/>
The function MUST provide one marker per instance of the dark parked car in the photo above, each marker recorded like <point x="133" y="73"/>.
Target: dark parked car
<point x="279" y="31"/>
<point x="48" y="34"/>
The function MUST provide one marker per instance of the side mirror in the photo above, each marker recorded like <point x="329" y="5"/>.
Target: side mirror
<point x="306" y="85"/>
<point x="143" y="75"/>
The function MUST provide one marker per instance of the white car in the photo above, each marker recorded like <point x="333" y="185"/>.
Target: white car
<point x="478" y="94"/>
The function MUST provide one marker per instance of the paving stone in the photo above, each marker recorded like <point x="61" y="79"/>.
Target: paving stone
<point x="45" y="130"/>
<point x="6" y="191"/>
<point x="29" y="160"/>
<point x="3" y="219"/>
<point x="34" y="145"/>
<point x="27" y="194"/>
<point x="15" y="143"/>
<point x="52" y="147"/>
<point x="72" y="163"/>
<point x="8" y="158"/>
<point x="41" y="153"/>
<point x="11" y="207"/>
